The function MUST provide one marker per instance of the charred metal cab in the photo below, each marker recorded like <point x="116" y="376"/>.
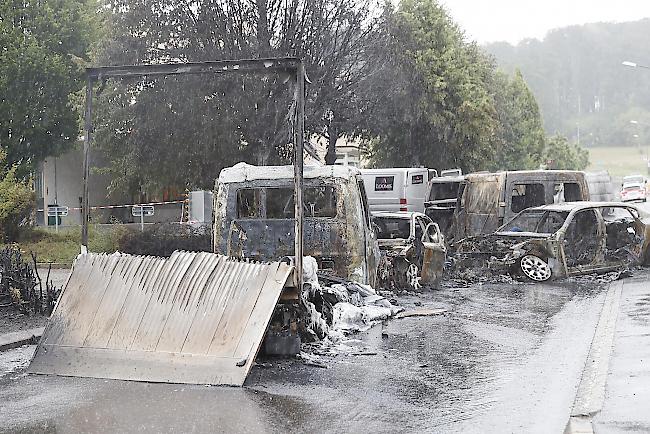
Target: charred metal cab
<point x="442" y="199"/>
<point x="254" y="218"/>
<point x="487" y="200"/>
<point x="413" y="250"/>
<point x="563" y="240"/>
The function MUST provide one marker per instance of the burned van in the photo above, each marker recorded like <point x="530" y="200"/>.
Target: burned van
<point x="254" y="218"/>
<point x="487" y="200"/>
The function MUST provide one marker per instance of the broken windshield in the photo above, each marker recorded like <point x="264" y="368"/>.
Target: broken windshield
<point x="536" y="221"/>
<point x="391" y="228"/>
<point x="444" y="190"/>
<point x="277" y="203"/>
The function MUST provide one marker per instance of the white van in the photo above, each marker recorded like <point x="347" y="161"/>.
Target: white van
<point x="398" y="189"/>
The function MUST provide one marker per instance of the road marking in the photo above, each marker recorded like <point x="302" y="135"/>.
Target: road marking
<point x="591" y="390"/>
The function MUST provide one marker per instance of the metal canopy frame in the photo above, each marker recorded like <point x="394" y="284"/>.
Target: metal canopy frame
<point x="290" y="65"/>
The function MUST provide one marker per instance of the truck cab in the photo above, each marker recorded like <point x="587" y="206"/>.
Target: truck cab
<point x="254" y="218"/>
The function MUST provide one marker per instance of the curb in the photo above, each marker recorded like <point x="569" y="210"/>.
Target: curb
<point x="9" y="341"/>
<point x="591" y="390"/>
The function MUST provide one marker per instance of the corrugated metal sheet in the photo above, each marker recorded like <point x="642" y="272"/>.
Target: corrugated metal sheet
<point x="192" y="318"/>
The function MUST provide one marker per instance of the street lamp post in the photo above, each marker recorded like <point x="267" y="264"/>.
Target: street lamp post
<point x="638" y="141"/>
<point x="636" y="65"/>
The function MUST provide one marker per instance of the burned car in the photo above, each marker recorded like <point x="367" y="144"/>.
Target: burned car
<point x="413" y="250"/>
<point x="562" y="240"/>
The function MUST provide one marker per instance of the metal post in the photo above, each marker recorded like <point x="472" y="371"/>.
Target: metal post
<point x="298" y="142"/>
<point x="142" y="219"/>
<point x="56" y="220"/>
<point x="86" y="163"/>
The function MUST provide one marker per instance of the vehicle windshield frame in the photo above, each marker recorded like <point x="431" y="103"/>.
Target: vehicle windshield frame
<point x="542" y="219"/>
<point x="410" y="220"/>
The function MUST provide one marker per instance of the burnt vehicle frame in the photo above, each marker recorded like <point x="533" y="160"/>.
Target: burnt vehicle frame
<point x="293" y="67"/>
<point x="568" y="239"/>
<point x="413" y="250"/>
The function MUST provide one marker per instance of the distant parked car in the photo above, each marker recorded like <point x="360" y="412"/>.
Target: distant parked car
<point x="635" y="187"/>
<point x="562" y="240"/>
<point x="412" y="247"/>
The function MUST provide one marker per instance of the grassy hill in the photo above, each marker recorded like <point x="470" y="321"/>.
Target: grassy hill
<point x="619" y="160"/>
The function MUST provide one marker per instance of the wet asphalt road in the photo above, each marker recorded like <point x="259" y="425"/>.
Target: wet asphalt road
<point x="503" y="358"/>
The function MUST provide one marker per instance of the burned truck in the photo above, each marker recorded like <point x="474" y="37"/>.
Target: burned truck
<point x="561" y="240"/>
<point x="487" y="200"/>
<point x="254" y="218"/>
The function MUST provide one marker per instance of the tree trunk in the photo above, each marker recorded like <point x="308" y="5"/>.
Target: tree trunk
<point x="330" y="156"/>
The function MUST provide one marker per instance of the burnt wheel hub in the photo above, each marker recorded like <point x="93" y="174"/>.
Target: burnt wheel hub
<point x="535" y="268"/>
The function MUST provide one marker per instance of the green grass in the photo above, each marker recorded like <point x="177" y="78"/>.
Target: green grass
<point x="618" y="160"/>
<point x="63" y="247"/>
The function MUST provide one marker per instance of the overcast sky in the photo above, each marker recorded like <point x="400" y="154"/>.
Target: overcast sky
<point x="514" y="20"/>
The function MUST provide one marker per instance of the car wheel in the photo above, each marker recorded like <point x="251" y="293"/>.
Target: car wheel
<point x="413" y="276"/>
<point x="535" y="268"/>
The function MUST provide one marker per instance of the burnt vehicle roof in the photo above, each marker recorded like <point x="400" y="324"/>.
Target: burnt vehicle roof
<point x="242" y="172"/>
<point x="447" y="179"/>
<point x="581" y="205"/>
<point x="551" y="174"/>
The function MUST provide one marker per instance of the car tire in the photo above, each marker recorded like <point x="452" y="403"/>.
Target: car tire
<point x="535" y="268"/>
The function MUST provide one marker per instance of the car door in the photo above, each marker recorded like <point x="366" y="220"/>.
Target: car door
<point x="434" y="252"/>
<point x="583" y="242"/>
<point x="372" y="253"/>
<point x="626" y="236"/>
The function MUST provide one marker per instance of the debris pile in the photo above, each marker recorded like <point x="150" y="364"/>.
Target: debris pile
<point x="21" y="286"/>
<point x="336" y="306"/>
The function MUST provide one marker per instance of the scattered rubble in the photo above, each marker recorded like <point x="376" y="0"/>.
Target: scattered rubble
<point x="420" y="312"/>
<point x="337" y="307"/>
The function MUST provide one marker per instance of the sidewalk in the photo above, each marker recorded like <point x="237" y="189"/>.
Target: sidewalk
<point x="626" y="407"/>
<point x="20" y="338"/>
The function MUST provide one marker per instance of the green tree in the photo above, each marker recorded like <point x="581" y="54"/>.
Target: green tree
<point x="519" y="142"/>
<point x="16" y="201"/>
<point x="433" y="106"/>
<point x="169" y="132"/>
<point x="43" y="43"/>
<point x="576" y="75"/>
<point x="564" y="155"/>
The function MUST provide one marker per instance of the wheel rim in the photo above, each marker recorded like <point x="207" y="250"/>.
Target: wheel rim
<point x="412" y="277"/>
<point x="535" y="268"/>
